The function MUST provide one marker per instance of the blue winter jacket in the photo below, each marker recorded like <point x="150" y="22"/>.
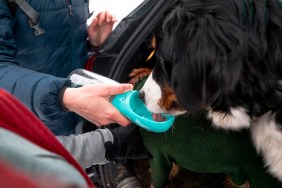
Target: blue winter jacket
<point x="34" y="68"/>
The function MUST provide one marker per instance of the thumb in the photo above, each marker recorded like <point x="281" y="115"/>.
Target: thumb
<point x="115" y="89"/>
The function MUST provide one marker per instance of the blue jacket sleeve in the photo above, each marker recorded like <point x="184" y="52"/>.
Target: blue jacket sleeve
<point x="37" y="91"/>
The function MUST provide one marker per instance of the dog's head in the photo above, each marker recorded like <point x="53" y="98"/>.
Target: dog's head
<point x="211" y="53"/>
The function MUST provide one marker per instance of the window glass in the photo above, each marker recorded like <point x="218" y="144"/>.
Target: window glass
<point x="119" y="8"/>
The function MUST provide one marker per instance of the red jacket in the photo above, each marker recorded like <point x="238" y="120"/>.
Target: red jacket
<point x="16" y="118"/>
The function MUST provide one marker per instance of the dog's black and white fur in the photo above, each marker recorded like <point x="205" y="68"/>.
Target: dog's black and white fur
<point x="226" y="56"/>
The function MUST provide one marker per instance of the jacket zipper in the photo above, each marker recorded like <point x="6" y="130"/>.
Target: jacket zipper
<point x="72" y="29"/>
<point x="69" y="7"/>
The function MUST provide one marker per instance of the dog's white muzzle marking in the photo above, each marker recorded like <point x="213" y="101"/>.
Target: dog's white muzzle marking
<point x="153" y="94"/>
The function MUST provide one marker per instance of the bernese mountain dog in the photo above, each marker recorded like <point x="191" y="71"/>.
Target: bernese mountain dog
<point x="225" y="56"/>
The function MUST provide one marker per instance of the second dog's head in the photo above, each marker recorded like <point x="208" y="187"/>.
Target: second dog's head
<point x="214" y="54"/>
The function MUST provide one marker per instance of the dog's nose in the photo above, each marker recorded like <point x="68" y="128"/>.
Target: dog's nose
<point x="141" y="95"/>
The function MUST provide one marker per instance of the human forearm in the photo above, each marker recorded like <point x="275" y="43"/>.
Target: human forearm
<point x="88" y="148"/>
<point x="38" y="91"/>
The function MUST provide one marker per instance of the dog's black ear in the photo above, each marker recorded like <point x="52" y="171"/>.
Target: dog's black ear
<point x="190" y="91"/>
<point x="208" y="48"/>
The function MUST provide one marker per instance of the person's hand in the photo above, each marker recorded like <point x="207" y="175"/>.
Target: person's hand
<point x="92" y="103"/>
<point x="100" y="28"/>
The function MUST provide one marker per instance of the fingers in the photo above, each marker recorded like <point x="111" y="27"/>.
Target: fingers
<point x="110" y="17"/>
<point x="111" y="115"/>
<point x="95" y="105"/>
<point x="103" y="17"/>
<point x="94" y="23"/>
<point x="117" y="117"/>
<point x="113" y="89"/>
<point x="121" y="120"/>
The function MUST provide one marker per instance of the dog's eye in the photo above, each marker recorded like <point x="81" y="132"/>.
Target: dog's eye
<point x="166" y="68"/>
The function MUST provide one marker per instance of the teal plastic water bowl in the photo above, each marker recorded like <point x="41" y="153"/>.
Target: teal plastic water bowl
<point x="131" y="106"/>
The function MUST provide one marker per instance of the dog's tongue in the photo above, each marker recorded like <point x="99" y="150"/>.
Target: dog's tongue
<point x="158" y="117"/>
